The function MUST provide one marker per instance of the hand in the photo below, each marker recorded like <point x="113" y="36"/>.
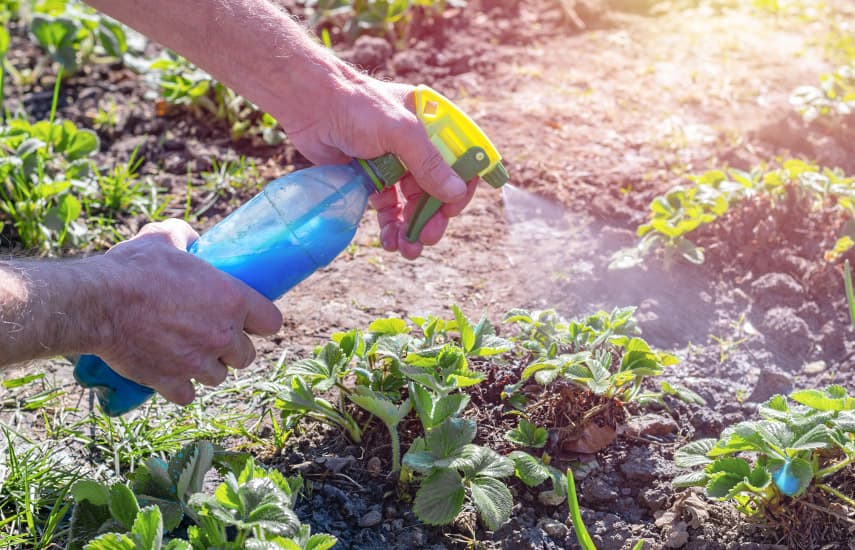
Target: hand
<point x="175" y="318"/>
<point x="369" y="120"/>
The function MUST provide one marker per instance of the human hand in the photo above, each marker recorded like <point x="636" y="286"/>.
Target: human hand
<point x="175" y="318"/>
<point x="370" y="118"/>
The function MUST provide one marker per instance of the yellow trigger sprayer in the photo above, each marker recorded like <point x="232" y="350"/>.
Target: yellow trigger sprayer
<point x="303" y="220"/>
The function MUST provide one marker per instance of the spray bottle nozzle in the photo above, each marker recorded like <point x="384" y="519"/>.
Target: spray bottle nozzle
<point x="463" y="145"/>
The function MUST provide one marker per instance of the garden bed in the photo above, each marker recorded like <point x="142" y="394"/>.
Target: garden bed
<point x="597" y="110"/>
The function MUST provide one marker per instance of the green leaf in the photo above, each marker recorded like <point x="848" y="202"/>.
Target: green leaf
<point x="467" y="333"/>
<point x="817" y="437"/>
<point x="4" y="41"/>
<point x="87" y="519"/>
<point x="528" y="469"/>
<point x="823" y="401"/>
<point x="450" y="436"/>
<point x="493" y="501"/>
<point x="690" y="479"/>
<point x="52" y="32"/>
<point x="440" y="497"/>
<point x="759" y="477"/>
<point x="82" y="144"/>
<point x="112" y="541"/>
<point x="389" y="326"/>
<point x="123" y="505"/>
<point x="526" y="434"/>
<point x="720" y="485"/>
<point x="484" y="461"/>
<point x="694" y="453"/>
<point x="148" y="528"/>
<point x="93" y="491"/>
<point x="171" y="510"/>
<point x="730" y="465"/>
<point x="373" y="402"/>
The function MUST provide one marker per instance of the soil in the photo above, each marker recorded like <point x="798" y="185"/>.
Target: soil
<point x="596" y="111"/>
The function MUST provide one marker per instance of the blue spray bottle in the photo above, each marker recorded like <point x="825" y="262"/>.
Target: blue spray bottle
<point x="302" y="221"/>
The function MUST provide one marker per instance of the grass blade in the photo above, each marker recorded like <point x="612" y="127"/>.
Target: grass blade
<point x="578" y="525"/>
<point x="850" y="295"/>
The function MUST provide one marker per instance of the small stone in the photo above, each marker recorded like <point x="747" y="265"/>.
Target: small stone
<point x="336" y="464"/>
<point x="771" y="382"/>
<point x="650" y="425"/>
<point x="554" y="529"/>
<point x="374" y="465"/>
<point x="814" y="367"/>
<point x="645" y="465"/>
<point x="788" y="332"/>
<point x="372" y="518"/>
<point x="598" y="490"/>
<point x="550" y="498"/>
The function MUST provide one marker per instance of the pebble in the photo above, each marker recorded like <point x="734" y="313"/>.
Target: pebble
<point x="550" y="498"/>
<point x="554" y="529"/>
<point x="814" y="367"/>
<point x="372" y="518"/>
<point x="650" y="425"/>
<point x="374" y="465"/>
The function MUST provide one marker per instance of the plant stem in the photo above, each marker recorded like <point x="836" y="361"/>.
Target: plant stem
<point x="836" y="493"/>
<point x="825" y="472"/>
<point x="396" y="447"/>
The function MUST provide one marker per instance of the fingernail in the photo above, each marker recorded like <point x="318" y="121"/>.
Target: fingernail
<point x="454" y="188"/>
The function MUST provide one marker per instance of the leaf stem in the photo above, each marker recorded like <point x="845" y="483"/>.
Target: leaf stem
<point x="834" y="468"/>
<point x="838" y="494"/>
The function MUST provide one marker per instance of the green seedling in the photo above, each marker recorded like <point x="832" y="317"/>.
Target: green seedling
<point x="388" y="412"/>
<point x="145" y="533"/>
<point x="832" y="102"/>
<point x="391" y="18"/>
<point x="686" y="208"/>
<point x="181" y="83"/>
<point x="453" y="469"/>
<point x="793" y="448"/>
<point x="72" y="33"/>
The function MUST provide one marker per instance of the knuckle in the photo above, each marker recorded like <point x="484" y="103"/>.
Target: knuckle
<point x="432" y="164"/>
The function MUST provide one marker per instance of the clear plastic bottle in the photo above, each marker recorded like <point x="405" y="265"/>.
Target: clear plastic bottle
<point x="297" y="224"/>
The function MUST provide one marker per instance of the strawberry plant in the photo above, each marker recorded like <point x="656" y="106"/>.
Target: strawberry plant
<point x="71" y="33"/>
<point x="791" y="450"/>
<point x="181" y="83"/>
<point x="453" y="470"/>
<point x="577" y="375"/>
<point x="251" y="508"/>
<point x="686" y="208"/>
<point x="387" y="372"/>
<point x="391" y="18"/>
<point x="832" y="102"/>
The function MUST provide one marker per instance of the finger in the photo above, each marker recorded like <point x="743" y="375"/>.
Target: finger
<point x="451" y="209"/>
<point x="179" y="392"/>
<point x="408" y="250"/>
<point x="409" y="142"/>
<point x="178" y="232"/>
<point x="241" y="354"/>
<point x="264" y="318"/>
<point x="213" y="374"/>
<point x="389" y="236"/>
<point x="434" y="229"/>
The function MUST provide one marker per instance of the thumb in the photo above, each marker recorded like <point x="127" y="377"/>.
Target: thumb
<point x="425" y="163"/>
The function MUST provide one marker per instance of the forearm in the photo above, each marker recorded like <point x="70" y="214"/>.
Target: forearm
<point x="252" y="46"/>
<point x="50" y="308"/>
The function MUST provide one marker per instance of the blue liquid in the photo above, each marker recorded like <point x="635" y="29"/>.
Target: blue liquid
<point x="299" y="223"/>
<point x="277" y="263"/>
<point x="785" y="480"/>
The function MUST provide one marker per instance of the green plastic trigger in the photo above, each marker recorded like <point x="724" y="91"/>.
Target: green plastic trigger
<point x="469" y="165"/>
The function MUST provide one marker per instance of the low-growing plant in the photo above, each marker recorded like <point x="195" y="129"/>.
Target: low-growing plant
<point x="251" y="508"/>
<point x="390" y="18"/>
<point x="684" y="209"/>
<point x="182" y="83"/>
<point x="793" y="448"/>
<point x="72" y="33"/>
<point x="832" y="102"/>
<point x="392" y="371"/>
<point x="453" y="470"/>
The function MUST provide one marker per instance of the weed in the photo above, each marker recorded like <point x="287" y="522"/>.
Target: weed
<point x="832" y="102"/>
